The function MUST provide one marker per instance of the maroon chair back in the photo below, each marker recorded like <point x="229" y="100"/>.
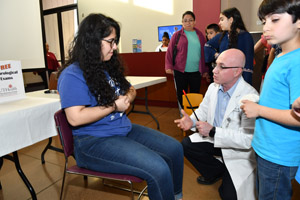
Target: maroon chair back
<point x="65" y="132"/>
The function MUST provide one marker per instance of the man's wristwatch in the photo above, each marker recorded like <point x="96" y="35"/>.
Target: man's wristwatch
<point x="212" y="132"/>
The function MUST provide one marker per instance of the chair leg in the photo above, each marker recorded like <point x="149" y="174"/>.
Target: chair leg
<point x="131" y="190"/>
<point x="62" y="185"/>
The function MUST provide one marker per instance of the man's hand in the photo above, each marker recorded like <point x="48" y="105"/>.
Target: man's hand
<point x="203" y="128"/>
<point x="185" y="123"/>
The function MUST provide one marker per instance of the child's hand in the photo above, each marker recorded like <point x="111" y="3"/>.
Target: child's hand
<point x="250" y="108"/>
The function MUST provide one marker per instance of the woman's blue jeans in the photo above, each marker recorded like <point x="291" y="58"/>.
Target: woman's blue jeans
<point x="144" y="152"/>
<point x="274" y="181"/>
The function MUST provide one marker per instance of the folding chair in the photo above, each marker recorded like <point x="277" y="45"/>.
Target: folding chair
<point x="65" y="132"/>
<point x="195" y="100"/>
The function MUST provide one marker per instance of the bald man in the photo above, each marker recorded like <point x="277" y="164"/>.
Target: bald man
<point x="221" y="148"/>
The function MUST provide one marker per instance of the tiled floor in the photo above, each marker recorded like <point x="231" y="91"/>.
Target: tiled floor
<point x="46" y="179"/>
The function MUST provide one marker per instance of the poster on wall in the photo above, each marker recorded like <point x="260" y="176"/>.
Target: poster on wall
<point x="136" y="45"/>
<point x="11" y="81"/>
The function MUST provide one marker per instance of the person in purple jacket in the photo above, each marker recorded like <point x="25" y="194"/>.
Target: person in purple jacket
<point x="188" y="65"/>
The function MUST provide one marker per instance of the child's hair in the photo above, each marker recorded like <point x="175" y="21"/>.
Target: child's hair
<point x="166" y="35"/>
<point x="215" y="27"/>
<point x="291" y="7"/>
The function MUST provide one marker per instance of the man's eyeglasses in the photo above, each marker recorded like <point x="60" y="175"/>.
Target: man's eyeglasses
<point x="223" y="67"/>
<point x="188" y="21"/>
<point x="111" y="42"/>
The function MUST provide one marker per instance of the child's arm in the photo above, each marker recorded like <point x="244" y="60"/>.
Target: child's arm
<point x="258" y="46"/>
<point x="286" y="117"/>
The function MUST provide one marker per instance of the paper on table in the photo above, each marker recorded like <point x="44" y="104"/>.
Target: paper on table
<point x="196" y="137"/>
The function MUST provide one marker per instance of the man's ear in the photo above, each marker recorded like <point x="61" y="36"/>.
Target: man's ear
<point x="238" y="71"/>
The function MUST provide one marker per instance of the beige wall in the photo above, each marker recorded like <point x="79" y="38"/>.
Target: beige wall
<point x="138" y="22"/>
<point x="248" y="10"/>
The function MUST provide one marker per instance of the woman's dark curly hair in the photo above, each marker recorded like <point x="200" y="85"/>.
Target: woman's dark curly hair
<point x="237" y="23"/>
<point x="86" y="50"/>
<point x="268" y="7"/>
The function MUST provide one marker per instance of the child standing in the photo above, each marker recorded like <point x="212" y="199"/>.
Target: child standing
<point x="211" y="31"/>
<point x="276" y="138"/>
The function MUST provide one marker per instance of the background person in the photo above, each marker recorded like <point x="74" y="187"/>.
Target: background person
<point x="189" y="63"/>
<point x="52" y="62"/>
<point x="262" y="43"/>
<point x="234" y="35"/>
<point x="223" y="131"/>
<point x="211" y="31"/>
<point x="165" y="43"/>
<point x="95" y="95"/>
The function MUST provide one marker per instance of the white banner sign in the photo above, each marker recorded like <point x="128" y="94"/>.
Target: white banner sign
<point x="11" y="81"/>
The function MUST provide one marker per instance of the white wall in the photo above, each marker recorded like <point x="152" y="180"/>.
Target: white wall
<point x="21" y="33"/>
<point x="137" y="21"/>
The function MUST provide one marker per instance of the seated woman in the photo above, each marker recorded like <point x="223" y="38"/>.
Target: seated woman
<point x="95" y="95"/>
<point x="164" y="43"/>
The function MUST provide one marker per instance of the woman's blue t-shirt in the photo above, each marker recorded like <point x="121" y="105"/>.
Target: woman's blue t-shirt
<point x="74" y="91"/>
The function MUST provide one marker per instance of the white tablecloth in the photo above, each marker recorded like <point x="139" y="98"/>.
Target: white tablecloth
<point x="25" y="122"/>
<point x="30" y="120"/>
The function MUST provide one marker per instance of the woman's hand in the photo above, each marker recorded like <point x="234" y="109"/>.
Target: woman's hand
<point x="122" y="103"/>
<point x="131" y="94"/>
<point x="169" y="71"/>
